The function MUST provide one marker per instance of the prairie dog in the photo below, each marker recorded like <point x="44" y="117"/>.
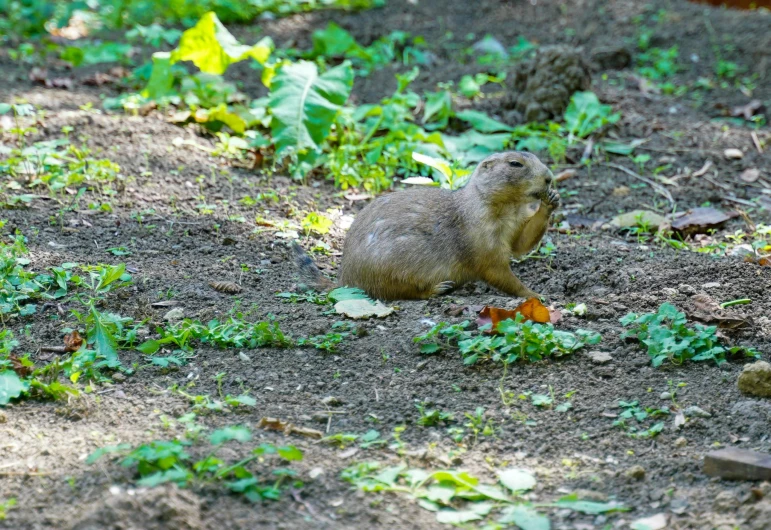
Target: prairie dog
<point x="422" y="242"/>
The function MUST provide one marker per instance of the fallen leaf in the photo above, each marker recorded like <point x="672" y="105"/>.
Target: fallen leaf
<point x="679" y="420"/>
<point x="73" y="341"/>
<point x="353" y="197"/>
<point x="733" y="154"/>
<point x="530" y="309"/>
<point x="747" y="111"/>
<point x="635" y="217"/>
<point x="709" y="311"/>
<point x="363" y="308"/>
<point x="654" y="522"/>
<point x="272" y="424"/>
<point x="750" y="175"/>
<point x="276" y="424"/>
<point x="700" y="220"/>
<point x="19" y="367"/>
<point x="226" y="287"/>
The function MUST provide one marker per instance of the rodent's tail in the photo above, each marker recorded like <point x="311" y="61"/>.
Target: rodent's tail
<point x="309" y="272"/>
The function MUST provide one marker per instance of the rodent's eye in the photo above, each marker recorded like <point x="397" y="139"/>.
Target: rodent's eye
<point x="514" y="163"/>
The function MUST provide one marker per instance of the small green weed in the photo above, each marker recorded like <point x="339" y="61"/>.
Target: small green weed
<point x="667" y="336"/>
<point x="518" y="339"/>
<point x="458" y="497"/>
<point x="159" y="462"/>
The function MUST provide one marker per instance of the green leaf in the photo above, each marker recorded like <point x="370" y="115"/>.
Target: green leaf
<point x="290" y="452"/>
<point x="161" y="79"/>
<point x="238" y="433"/>
<point x="482" y="122"/>
<point x="468" y="86"/>
<point x="244" y="399"/>
<point x="212" y="48"/>
<point x="304" y="105"/>
<point x="104" y="341"/>
<point x="438" y="109"/>
<point x="589" y="507"/>
<point x="149" y="347"/>
<point x="333" y="41"/>
<point x="457" y="516"/>
<point x="11" y="386"/>
<point x="525" y="517"/>
<point x="440" y="165"/>
<point x="517" y="480"/>
<point x="112" y="273"/>
<point x="585" y="114"/>
<point x="346" y="293"/>
<point x="99" y="453"/>
<point x="429" y="348"/>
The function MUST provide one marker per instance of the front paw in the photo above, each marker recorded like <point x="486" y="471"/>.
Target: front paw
<point x="552" y="199"/>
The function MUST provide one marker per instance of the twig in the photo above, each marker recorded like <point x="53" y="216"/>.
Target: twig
<point x="655" y="185"/>
<point x="53" y="349"/>
<point x="377" y="396"/>
<point x="311" y="510"/>
<point x="23" y="474"/>
<point x="756" y="141"/>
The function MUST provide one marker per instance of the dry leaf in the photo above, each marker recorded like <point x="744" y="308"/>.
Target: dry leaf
<point x="72" y="341"/>
<point x="530" y="309"/>
<point x="275" y="424"/>
<point x="226" y="287"/>
<point x="709" y="311"/>
<point x="747" y="111"/>
<point x="19" y="368"/>
<point x="700" y="220"/>
<point x="750" y="175"/>
<point x="353" y="197"/>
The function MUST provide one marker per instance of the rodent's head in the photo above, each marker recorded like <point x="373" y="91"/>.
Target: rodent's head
<point x="512" y="177"/>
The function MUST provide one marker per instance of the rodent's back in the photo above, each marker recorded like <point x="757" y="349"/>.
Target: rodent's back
<point x="410" y="239"/>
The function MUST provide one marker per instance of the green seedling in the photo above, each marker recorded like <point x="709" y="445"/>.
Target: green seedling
<point x="432" y="417"/>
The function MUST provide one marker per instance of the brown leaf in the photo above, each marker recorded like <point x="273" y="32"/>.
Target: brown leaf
<point x="700" y="220"/>
<point x="530" y="309"/>
<point x="750" y="175"/>
<point x="18" y="367"/>
<point x="457" y="310"/>
<point x="703" y="170"/>
<point x="747" y="111"/>
<point x="226" y="287"/>
<point x="73" y="341"/>
<point x="275" y="424"/>
<point x="709" y="311"/>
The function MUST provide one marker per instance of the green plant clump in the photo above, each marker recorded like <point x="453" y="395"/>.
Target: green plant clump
<point x="517" y="339"/>
<point x="666" y="335"/>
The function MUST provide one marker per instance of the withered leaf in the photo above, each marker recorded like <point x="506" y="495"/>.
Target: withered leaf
<point x="226" y="287"/>
<point x="700" y="220"/>
<point x="747" y="111"/>
<point x="73" y="341"/>
<point x="750" y="175"/>
<point x="709" y="311"/>
<point x="530" y="309"/>
<point x="276" y="424"/>
<point x="19" y="367"/>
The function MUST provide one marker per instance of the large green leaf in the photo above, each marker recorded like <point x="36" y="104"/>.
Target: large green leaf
<point x="161" y="78"/>
<point x="516" y="480"/>
<point x="525" y="517"/>
<point x="304" y="105"/>
<point x="11" y="386"/>
<point x="212" y="48"/>
<point x="482" y="122"/>
<point x="103" y="340"/>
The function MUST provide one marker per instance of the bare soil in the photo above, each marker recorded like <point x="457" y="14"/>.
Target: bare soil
<point x="378" y="374"/>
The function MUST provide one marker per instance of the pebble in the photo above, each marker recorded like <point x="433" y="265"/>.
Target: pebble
<point x="733" y="154"/>
<point x="599" y="357"/>
<point x="681" y="442"/>
<point x="725" y="501"/>
<point x="244" y="357"/>
<point x="686" y="289"/>
<point x="666" y="395"/>
<point x="711" y="285"/>
<point x="331" y="401"/>
<point x="636" y="472"/>
<point x="654" y="522"/>
<point x="118" y="377"/>
<point x="177" y="313"/>
<point x="696" y="412"/>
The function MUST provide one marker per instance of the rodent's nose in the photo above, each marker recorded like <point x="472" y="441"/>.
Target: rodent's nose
<point x="548" y="178"/>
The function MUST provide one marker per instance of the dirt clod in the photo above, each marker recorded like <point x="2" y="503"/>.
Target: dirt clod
<point x="755" y="379"/>
<point x="543" y="85"/>
<point x="636" y="472"/>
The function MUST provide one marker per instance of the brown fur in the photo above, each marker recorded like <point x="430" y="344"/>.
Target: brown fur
<point x="425" y="241"/>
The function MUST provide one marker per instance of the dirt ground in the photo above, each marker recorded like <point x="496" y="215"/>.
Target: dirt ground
<point x="378" y="375"/>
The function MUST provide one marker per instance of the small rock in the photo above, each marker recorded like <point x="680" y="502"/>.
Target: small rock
<point x="118" y="377"/>
<point x="612" y="57"/>
<point x="686" y="289"/>
<point x="669" y="291"/>
<point x="331" y="401"/>
<point x="654" y="522"/>
<point x="757" y="515"/>
<point x="316" y="472"/>
<point x="665" y="395"/>
<point x="725" y="501"/>
<point x="697" y="412"/>
<point x="635" y="217"/>
<point x="599" y="357"/>
<point x="176" y="313"/>
<point x="3" y="417"/>
<point x="733" y="154"/>
<point x="681" y="442"/>
<point x="320" y="417"/>
<point x="755" y="379"/>
<point x="711" y="285"/>
<point x="636" y="472"/>
<point x="244" y="357"/>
